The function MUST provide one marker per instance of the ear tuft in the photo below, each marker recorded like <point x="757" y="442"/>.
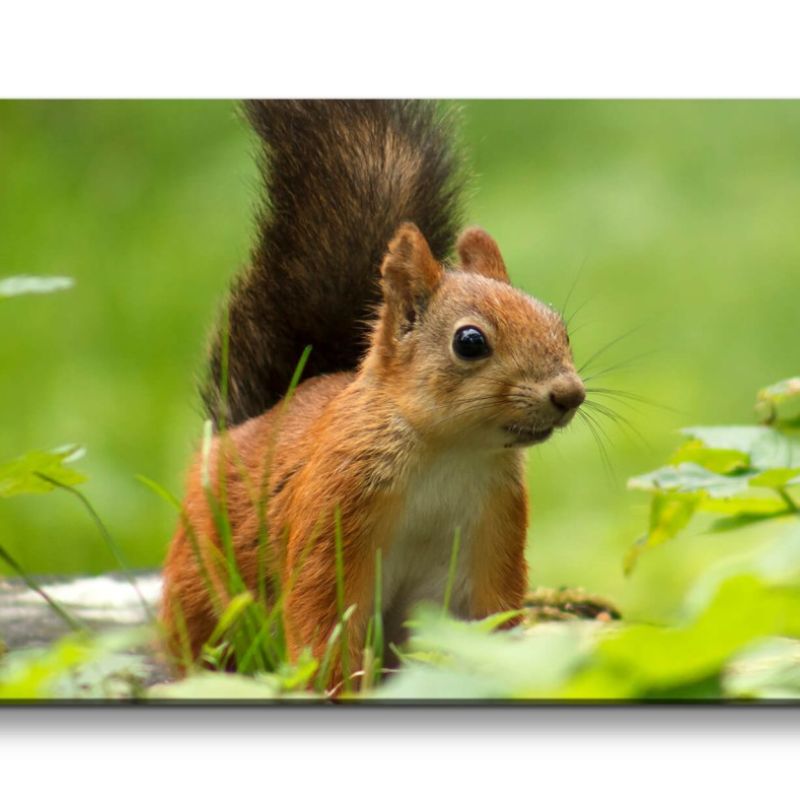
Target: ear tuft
<point x="409" y="274"/>
<point x="480" y="254"/>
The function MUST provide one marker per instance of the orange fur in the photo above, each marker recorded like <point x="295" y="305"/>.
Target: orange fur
<point x="413" y="444"/>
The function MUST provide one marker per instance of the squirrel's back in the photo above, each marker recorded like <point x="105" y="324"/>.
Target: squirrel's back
<point x="339" y="177"/>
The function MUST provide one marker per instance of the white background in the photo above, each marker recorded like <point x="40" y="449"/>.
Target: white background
<point x="409" y="753"/>
<point x="422" y="48"/>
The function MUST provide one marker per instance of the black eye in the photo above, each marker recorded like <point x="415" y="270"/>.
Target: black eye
<point x="470" y="343"/>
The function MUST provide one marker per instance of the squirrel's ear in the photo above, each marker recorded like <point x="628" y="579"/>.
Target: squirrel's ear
<point x="479" y="253"/>
<point x="409" y="276"/>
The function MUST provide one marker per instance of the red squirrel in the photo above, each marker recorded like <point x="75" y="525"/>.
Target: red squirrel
<point x="427" y="379"/>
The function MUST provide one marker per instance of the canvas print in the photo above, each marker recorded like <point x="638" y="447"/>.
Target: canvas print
<point x="399" y="401"/>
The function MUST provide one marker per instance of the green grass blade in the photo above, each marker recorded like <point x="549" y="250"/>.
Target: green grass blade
<point x="73" y="622"/>
<point x="451" y="570"/>
<point x="157" y="489"/>
<point x="345" y="652"/>
<point x="377" y="620"/>
<point x="107" y="538"/>
<point x="330" y="648"/>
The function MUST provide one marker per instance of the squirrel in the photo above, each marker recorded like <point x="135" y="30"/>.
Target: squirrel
<point x="426" y="380"/>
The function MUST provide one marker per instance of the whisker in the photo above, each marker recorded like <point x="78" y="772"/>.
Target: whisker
<point x="460" y="401"/>
<point x="621" y="364"/>
<point x="603" y="432"/>
<point x="620" y="396"/>
<point x="574" y="331"/>
<point x="624" y="403"/>
<point x="468" y="401"/>
<point x="621" y="421"/>
<point x="608" y="346"/>
<point x="578" y="310"/>
<point x="604" y="457"/>
<point x="600" y="433"/>
<point x="606" y="410"/>
<point x="499" y="404"/>
<point x="572" y="288"/>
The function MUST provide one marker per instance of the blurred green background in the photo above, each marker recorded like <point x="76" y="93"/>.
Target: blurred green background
<point x="676" y="222"/>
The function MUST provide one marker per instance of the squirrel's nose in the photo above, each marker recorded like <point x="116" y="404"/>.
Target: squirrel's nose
<point x="567" y="393"/>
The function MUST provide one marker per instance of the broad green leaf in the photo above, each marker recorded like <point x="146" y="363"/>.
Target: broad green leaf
<point x="78" y="666"/>
<point x="775" y="561"/>
<point x="775" y="478"/>
<point x="736" y="521"/>
<point x="297" y="676"/>
<point x="716" y="460"/>
<point x="739" y="471"/>
<point x="691" y="479"/>
<point x="454" y="659"/>
<point x="765" y="447"/>
<point x="648" y="661"/>
<point x="22" y="476"/>
<point x="764" y="505"/>
<point x="32" y="675"/>
<point x="768" y="671"/>
<point x="779" y="561"/>
<point x="681" y="491"/>
<point x="718" y="494"/>
<point x="598" y="683"/>
<point x="779" y="404"/>
<point x="420" y="682"/>
<point x="669" y="514"/>
<point x="33" y="284"/>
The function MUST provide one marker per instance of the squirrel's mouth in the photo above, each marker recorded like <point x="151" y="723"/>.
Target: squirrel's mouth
<point x="524" y="435"/>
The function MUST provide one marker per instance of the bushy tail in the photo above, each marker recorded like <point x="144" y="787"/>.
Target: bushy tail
<point x="339" y="177"/>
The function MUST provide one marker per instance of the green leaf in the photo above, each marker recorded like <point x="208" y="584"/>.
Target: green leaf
<point x="669" y="514"/>
<point x="779" y="404"/>
<point x="494" y="621"/>
<point x="779" y="561"/>
<point x="33" y="284"/>
<point x="297" y="676"/>
<point x="22" y="476"/>
<point x="455" y="659"/>
<point x="737" y="471"/>
<point x="77" y="666"/>
<point x="736" y="521"/>
<point x="647" y="661"/>
<point x="775" y="478"/>
<point x="765" y="447"/>
<point x="691" y="479"/>
<point x="764" y="506"/>
<point x="768" y="671"/>
<point x="719" y="494"/>
<point x="716" y="460"/>
<point x="31" y="675"/>
<point x="420" y="682"/>
<point x="774" y="560"/>
<point x="681" y="491"/>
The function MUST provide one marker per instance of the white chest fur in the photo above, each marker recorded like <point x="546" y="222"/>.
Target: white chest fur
<point x="442" y="495"/>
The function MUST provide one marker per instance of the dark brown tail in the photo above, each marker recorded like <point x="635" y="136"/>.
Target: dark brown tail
<point x="339" y="177"/>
